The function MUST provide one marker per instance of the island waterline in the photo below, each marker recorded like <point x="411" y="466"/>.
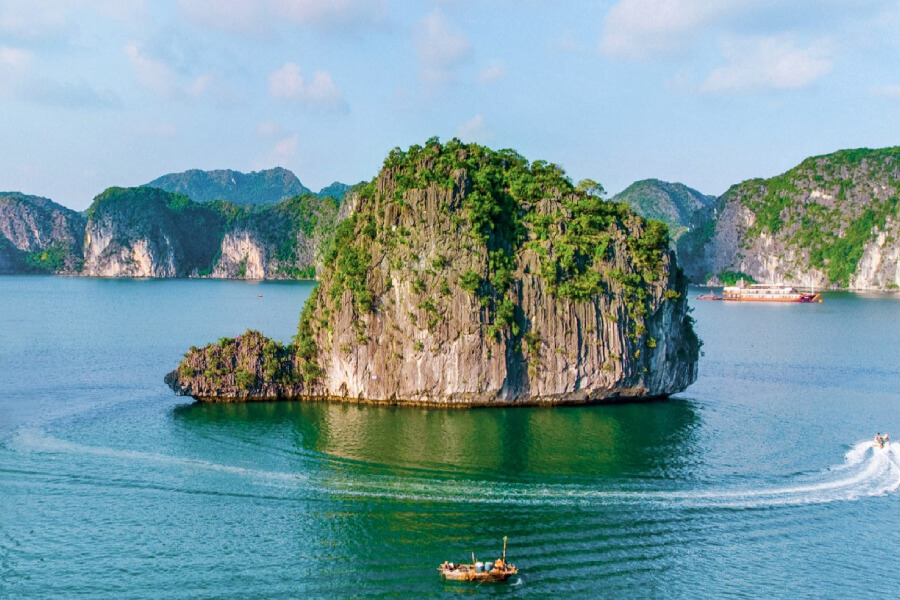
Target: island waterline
<point x="755" y="481"/>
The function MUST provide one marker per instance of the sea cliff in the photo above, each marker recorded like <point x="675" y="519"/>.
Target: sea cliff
<point x="830" y="222"/>
<point x="38" y="235"/>
<point x="472" y="277"/>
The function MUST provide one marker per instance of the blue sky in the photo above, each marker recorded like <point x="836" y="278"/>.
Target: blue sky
<point x="95" y="93"/>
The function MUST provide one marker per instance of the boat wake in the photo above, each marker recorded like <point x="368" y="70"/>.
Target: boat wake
<point x="866" y="471"/>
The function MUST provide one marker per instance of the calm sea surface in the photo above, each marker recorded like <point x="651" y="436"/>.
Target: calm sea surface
<point x="758" y="481"/>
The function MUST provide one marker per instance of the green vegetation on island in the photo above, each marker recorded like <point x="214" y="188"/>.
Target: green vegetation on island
<point x="473" y="276"/>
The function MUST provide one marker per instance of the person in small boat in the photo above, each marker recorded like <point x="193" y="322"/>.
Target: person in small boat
<point x="878" y="440"/>
<point x="885" y="439"/>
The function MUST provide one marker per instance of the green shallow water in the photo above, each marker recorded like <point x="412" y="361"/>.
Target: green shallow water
<point x="758" y="481"/>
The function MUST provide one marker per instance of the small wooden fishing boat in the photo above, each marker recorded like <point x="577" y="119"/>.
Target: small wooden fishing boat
<point x="498" y="570"/>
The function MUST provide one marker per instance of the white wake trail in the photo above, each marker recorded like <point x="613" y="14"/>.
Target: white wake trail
<point x="867" y="471"/>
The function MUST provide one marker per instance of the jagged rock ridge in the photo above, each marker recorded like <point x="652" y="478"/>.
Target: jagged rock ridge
<point x="472" y="277"/>
<point x="258" y="187"/>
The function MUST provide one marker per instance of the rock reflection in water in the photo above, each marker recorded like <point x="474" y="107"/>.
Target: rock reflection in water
<point x="643" y="439"/>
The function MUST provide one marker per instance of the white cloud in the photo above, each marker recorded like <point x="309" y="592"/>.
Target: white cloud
<point x="201" y="85"/>
<point x="17" y="80"/>
<point x="51" y="18"/>
<point x="330" y="12"/>
<point x="238" y="16"/>
<point x="440" y="48"/>
<point x="886" y="91"/>
<point x="287" y="83"/>
<point x="492" y="73"/>
<point x="157" y="130"/>
<point x="767" y="63"/>
<point x="268" y="129"/>
<point x="245" y="17"/>
<point x="285" y="149"/>
<point x="641" y="28"/>
<point x="153" y="74"/>
<point x="569" y="43"/>
<point x="14" y="58"/>
<point x="474" y="130"/>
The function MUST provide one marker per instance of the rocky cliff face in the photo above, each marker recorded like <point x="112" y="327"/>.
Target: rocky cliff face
<point x="146" y="232"/>
<point x="276" y="242"/>
<point x="829" y="222"/>
<point x="471" y="277"/>
<point x="38" y="235"/>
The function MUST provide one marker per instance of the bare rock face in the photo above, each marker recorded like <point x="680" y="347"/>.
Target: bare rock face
<point x="146" y="232"/>
<point x="831" y="222"/>
<point x="467" y="277"/>
<point x="37" y="234"/>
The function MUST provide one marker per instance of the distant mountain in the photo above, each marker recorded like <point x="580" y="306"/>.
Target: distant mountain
<point x="832" y="221"/>
<point x="259" y="187"/>
<point x="336" y="190"/>
<point x="38" y="235"/>
<point x="674" y="204"/>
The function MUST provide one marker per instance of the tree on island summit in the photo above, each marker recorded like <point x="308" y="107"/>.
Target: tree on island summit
<point x="591" y="187"/>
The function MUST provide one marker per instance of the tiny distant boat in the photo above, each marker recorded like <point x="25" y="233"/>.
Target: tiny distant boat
<point x="498" y="570"/>
<point x="882" y="442"/>
<point x="767" y="292"/>
<point x="712" y="296"/>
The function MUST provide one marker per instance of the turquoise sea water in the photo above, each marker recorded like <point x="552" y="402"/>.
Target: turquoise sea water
<point x="758" y="481"/>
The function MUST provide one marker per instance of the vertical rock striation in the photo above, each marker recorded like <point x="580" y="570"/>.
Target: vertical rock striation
<point x="472" y="277"/>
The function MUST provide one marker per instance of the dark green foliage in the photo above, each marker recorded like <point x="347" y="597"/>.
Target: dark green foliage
<point x="305" y="345"/>
<point x="244" y="379"/>
<point x="733" y="277"/>
<point x="349" y="264"/>
<point x="510" y="206"/>
<point x="470" y="281"/>
<point x="336" y="190"/>
<point x="51" y="260"/>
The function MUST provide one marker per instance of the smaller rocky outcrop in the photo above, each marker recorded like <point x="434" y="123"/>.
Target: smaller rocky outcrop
<point x="39" y="235"/>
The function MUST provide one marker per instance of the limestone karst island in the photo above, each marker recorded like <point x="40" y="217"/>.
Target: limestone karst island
<point x="466" y="276"/>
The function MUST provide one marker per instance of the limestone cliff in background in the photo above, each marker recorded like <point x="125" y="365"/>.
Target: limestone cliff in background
<point x="471" y="277"/>
<point x="147" y="232"/>
<point x="832" y="221"/>
<point x="275" y="242"/>
<point x="38" y="235"/>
